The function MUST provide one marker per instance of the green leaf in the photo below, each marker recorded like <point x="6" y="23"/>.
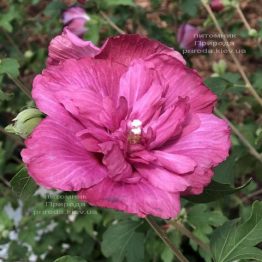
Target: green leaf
<point x="203" y="219"/>
<point x="190" y="7"/>
<point x="214" y="191"/>
<point x="121" y="240"/>
<point x="7" y="18"/>
<point x="86" y="223"/>
<point x="120" y="2"/>
<point x="167" y="255"/>
<point x="23" y="185"/>
<point x="6" y="222"/>
<point x="5" y="96"/>
<point x="93" y="29"/>
<point x="207" y="219"/>
<point x="27" y="235"/>
<point x="70" y="259"/>
<point x="54" y="8"/>
<point x="9" y="66"/>
<point x="225" y="172"/>
<point x="234" y="240"/>
<point x="232" y="78"/>
<point x="17" y="252"/>
<point x="217" y="84"/>
<point x="257" y="79"/>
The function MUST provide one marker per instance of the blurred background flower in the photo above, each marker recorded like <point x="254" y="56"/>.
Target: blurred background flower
<point x="217" y="5"/>
<point x="75" y="18"/>
<point x="188" y="37"/>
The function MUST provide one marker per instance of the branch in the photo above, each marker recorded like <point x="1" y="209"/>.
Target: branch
<point x="256" y="193"/>
<point x="241" y="15"/>
<point x="111" y="23"/>
<point x="184" y="231"/>
<point x="252" y="150"/>
<point x="248" y="85"/>
<point x="21" y="86"/>
<point x="166" y="240"/>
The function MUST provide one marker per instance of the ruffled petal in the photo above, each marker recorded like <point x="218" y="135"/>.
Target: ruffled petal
<point x="68" y="45"/>
<point x="198" y="180"/>
<point x="182" y="82"/>
<point x="141" y="198"/>
<point x="170" y="123"/>
<point x="162" y="178"/>
<point x="136" y="81"/>
<point x="91" y="138"/>
<point x="142" y="88"/>
<point x="77" y="85"/>
<point x="178" y="164"/>
<point x="117" y="166"/>
<point x="56" y="159"/>
<point x="124" y="49"/>
<point x="208" y="145"/>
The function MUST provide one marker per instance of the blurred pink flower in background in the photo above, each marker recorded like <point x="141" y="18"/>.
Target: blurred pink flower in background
<point x="75" y="18"/>
<point x="217" y="5"/>
<point x="187" y="37"/>
<point x="129" y="126"/>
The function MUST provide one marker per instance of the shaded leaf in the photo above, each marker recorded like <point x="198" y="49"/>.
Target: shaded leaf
<point x="257" y="79"/>
<point x="7" y="18"/>
<point x="23" y="185"/>
<point x="93" y="29"/>
<point x="203" y="219"/>
<point x="17" y="252"/>
<point x="9" y="66"/>
<point x="235" y="240"/>
<point x="5" y="96"/>
<point x="217" y="85"/>
<point x="119" y="2"/>
<point x="121" y="240"/>
<point x="232" y="78"/>
<point x="190" y="7"/>
<point x="70" y="259"/>
<point x="214" y="191"/>
<point x="225" y="172"/>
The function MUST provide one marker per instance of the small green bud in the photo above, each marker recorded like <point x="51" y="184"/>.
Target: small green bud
<point x="252" y="32"/>
<point x="229" y="3"/>
<point x="25" y="122"/>
<point x="28" y="54"/>
<point x="220" y="67"/>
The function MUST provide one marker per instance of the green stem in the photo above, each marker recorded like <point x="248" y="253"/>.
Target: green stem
<point x="244" y="141"/>
<point x="12" y="43"/>
<point x="14" y="138"/>
<point x="111" y="23"/>
<point x="21" y="86"/>
<point x="256" y="193"/>
<point x="242" y="17"/>
<point x="184" y="231"/>
<point x="249" y="86"/>
<point x="166" y="240"/>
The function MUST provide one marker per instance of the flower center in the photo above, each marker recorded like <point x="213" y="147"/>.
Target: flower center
<point x="135" y="131"/>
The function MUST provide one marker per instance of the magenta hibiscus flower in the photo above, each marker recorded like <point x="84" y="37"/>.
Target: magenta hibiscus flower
<point x="128" y="126"/>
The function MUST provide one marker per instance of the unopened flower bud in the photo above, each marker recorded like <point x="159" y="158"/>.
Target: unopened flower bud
<point x="25" y="122"/>
<point x="220" y="67"/>
<point x="252" y="32"/>
<point x="217" y="5"/>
